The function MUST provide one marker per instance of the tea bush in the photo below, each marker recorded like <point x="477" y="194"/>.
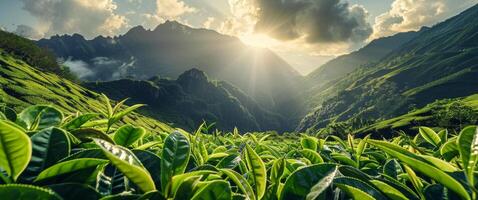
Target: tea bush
<point x="47" y="155"/>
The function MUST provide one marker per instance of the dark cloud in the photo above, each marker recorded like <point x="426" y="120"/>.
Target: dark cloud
<point x="319" y="21"/>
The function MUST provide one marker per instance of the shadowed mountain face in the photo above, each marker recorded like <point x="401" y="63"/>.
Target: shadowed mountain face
<point x="191" y="99"/>
<point x="440" y="62"/>
<point x="172" y="48"/>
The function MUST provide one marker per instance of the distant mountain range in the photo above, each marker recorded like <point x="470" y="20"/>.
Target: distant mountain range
<point x="192" y="98"/>
<point x="254" y="89"/>
<point x="172" y="48"/>
<point x="437" y="63"/>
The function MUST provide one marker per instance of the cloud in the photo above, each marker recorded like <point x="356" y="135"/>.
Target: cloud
<point x="317" y="21"/>
<point x="165" y="10"/>
<point x="88" y="17"/>
<point x="208" y="23"/>
<point x="172" y="9"/>
<point x="79" y="68"/>
<point x="27" y="32"/>
<point x="408" y="15"/>
<point x="100" y="68"/>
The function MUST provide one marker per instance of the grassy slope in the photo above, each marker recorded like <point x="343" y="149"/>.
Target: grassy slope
<point x="440" y="63"/>
<point x="419" y="117"/>
<point x="21" y="85"/>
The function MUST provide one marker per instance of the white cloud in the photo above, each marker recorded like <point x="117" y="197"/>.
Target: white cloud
<point x="88" y="17"/>
<point x="407" y="15"/>
<point x="166" y="10"/>
<point x="79" y="68"/>
<point x="208" y="23"/>
<point x="172" y="9"/>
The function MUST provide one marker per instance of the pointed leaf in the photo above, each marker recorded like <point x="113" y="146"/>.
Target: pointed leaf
<point x="128" y="164"/>
<point x="15" y="149"/>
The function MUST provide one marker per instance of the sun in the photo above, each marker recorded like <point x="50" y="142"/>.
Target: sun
<point x="259" y="40"/>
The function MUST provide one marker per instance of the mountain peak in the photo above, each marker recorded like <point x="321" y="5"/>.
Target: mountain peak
<point x="171" y="25"/>
<point x="136" y="29"/>
<point x="193" y="74"/>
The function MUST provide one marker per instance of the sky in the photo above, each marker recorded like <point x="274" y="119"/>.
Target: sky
<point x="306" y="33"/>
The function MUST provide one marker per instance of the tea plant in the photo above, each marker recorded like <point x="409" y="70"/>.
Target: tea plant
<point x="47" y="155"/>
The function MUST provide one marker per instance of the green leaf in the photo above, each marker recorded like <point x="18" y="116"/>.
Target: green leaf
<point x="300" y="183"/>
<point x="388" y="190"/>
<point x="68" y="167"/>
<point x="39" y="117"/>
<point x="257" y="170"/>
<point x="449" y="150"/>
<point x="430" y="136"/>
<point x="230" y="161"/>
<point x="15" y="149"/>
<point x="308" y="142"/>
<point x="127" y="135"/>
<point x="361" y="146"/>
<point x="468" y="147"/>
<point x="392" y="168"/>
<point x="119" y="115"/>
<point x="77" y="122"/>
<point x="177" y="180"/>
<point x="86" y="134"/>
<point x="277" y="170"/>
<point x="422" y="166"/>
<point x="184" y="191"/>
<point x="414" y="179"/>
<point x="75" y="191"/>
<point x="312" y="156"/>
<point x="128" y="164"/>
<point x="26" y="192"/>
<point x="151" y="162"/>
<point x="8" y="113"/>
<point x="49" y="146"/>
<point x="358" y="189"/>
<point x="217" y="190"/>
<point x="175" y="157"/>
<point x="241" y="182"/>
<point x="321" y="186"/>
<point x="440" y="164"/>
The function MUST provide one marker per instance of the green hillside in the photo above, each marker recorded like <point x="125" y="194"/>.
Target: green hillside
<point x="22" y="85"/>
<point x="440" y="63"/>
<point x="192" y="98"/>
<point x="452" y="113"/>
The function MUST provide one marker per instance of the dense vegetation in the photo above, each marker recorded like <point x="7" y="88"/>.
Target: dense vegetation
<point x="192" y="99"/>
<point x="21" y="85"/>
<point x="29" y="52"/>
<point x="47" y="155"/>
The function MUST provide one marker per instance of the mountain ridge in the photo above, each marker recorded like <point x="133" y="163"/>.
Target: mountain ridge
<point x="412" y="76"/>
<point x="172" y="48"/>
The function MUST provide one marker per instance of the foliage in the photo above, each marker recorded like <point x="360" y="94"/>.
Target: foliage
<point x="100" y="160"/>
<point x="34" y="55"/>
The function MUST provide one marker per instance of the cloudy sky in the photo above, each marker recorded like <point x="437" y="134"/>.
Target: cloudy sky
<point x="306" y="33"/>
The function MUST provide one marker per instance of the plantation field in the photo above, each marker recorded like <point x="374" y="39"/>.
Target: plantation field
<point x="23" y="85"/>
<point x="46" y="154"/>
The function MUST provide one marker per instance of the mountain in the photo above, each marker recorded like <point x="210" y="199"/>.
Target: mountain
<point x="22" y="85"/>
<point x="339" y="67"/>
<point x="191" y="99"/>
<point x="440" y="62"/>
<point x="172" y="48"/>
